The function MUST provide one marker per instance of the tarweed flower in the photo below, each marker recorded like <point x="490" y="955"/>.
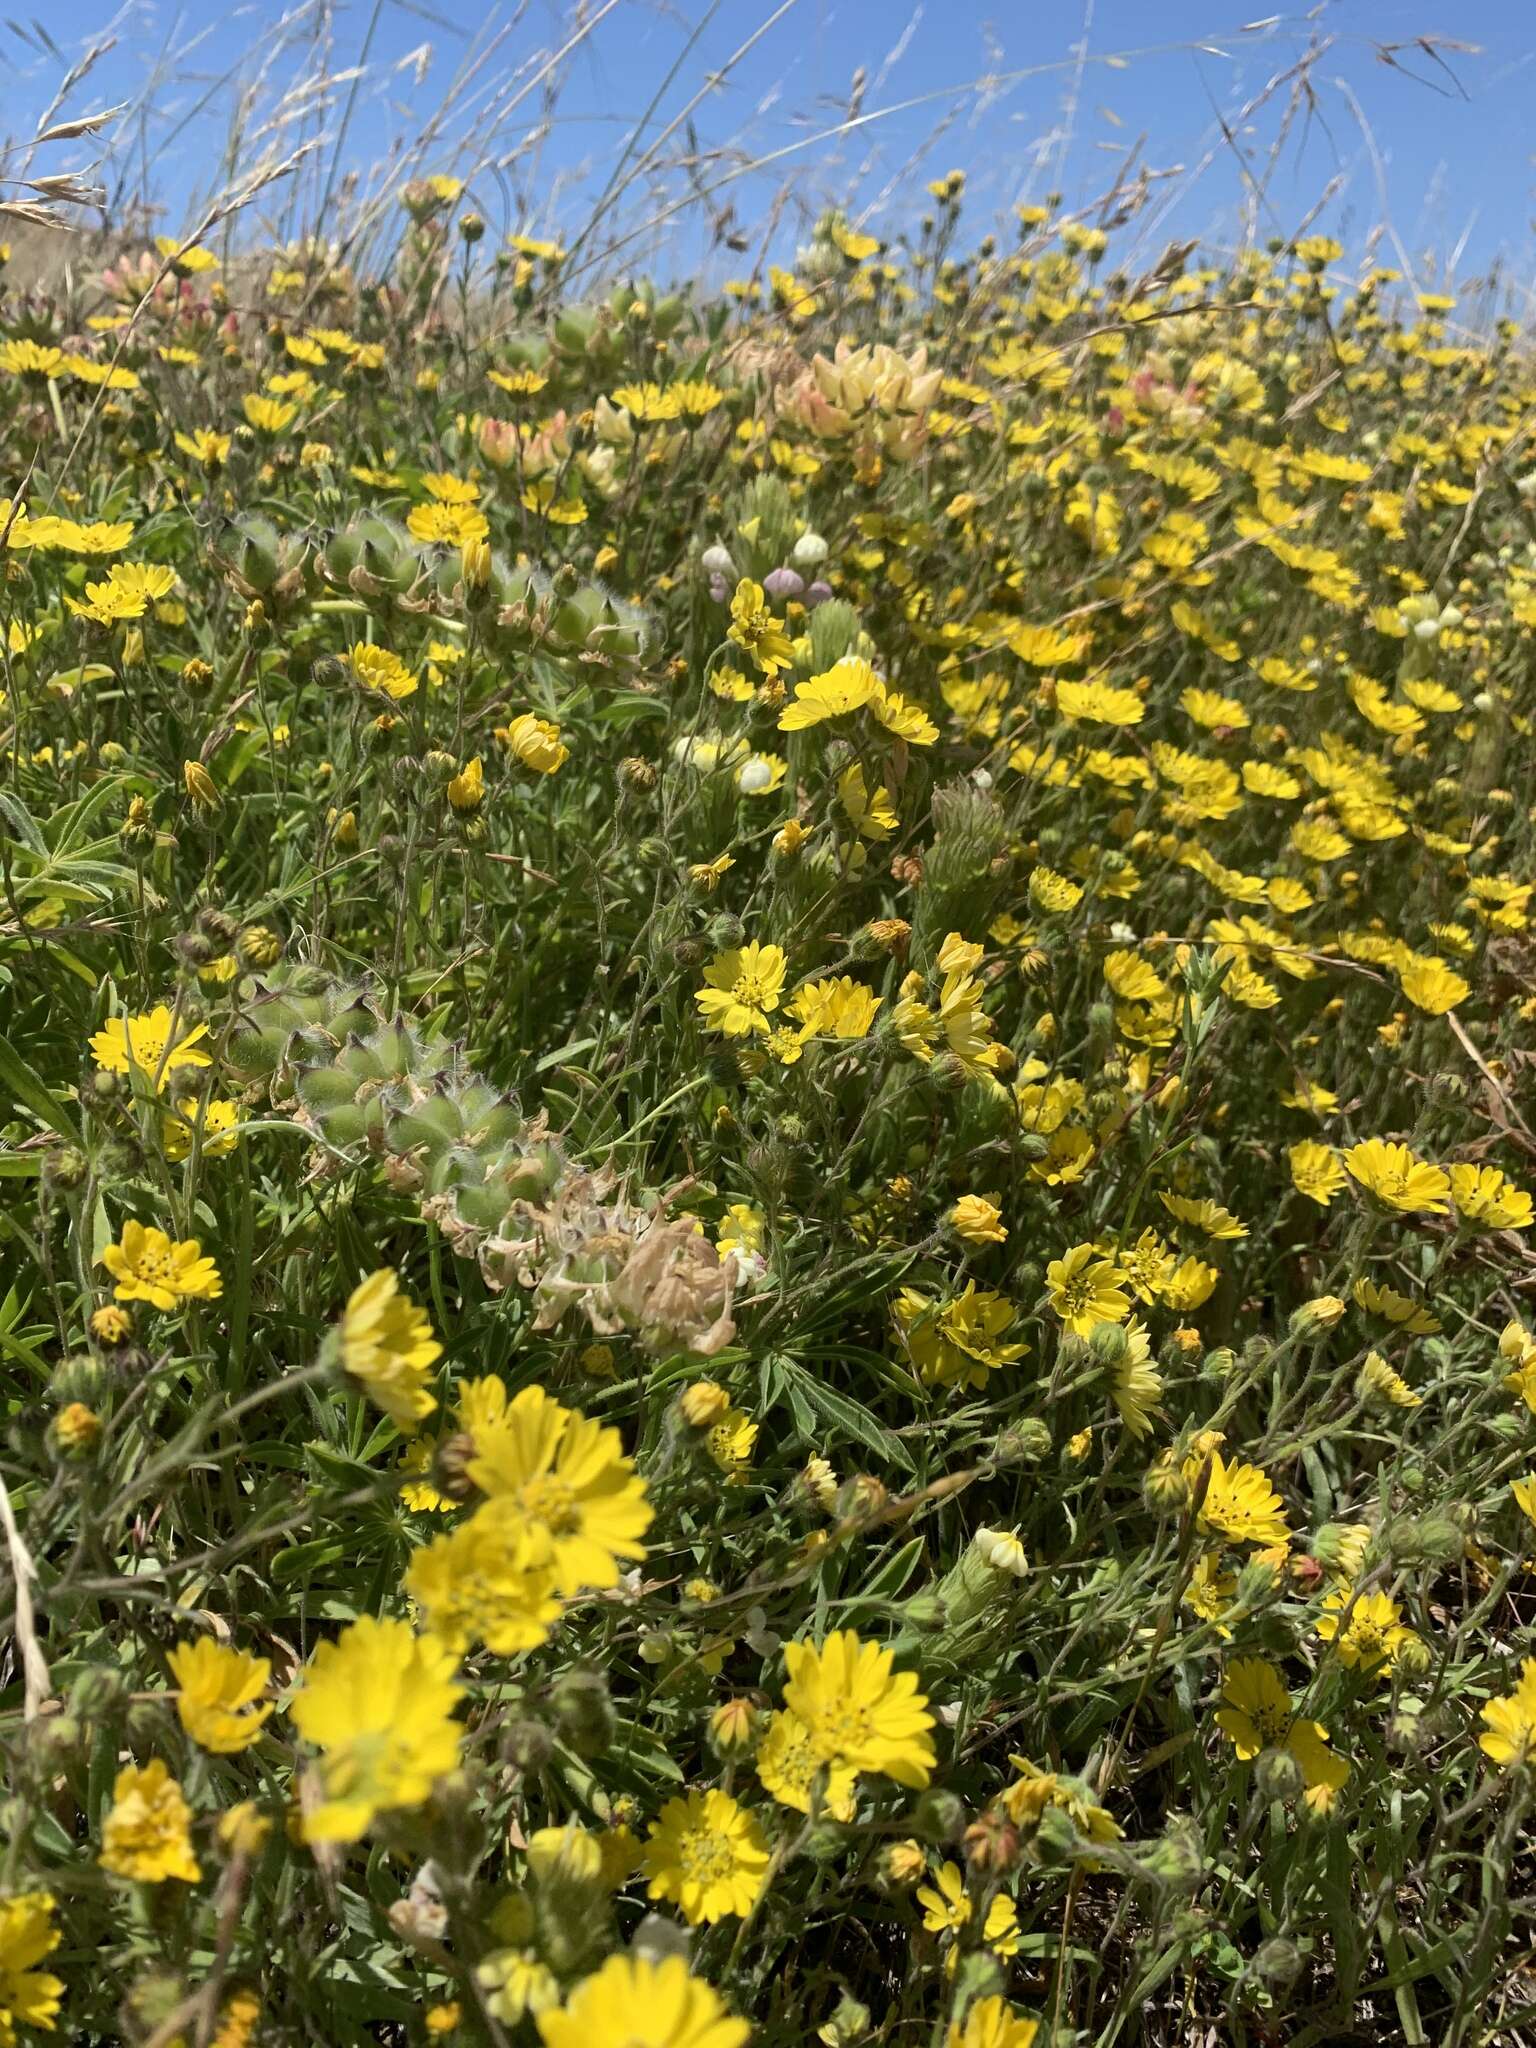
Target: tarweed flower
<point x="858" y="1710"/>
<point x="29" y="1997"/>
<point x="155" y="1045"/>
<point x="1510" y="1733"/>
<point x="219" y="1691"/>
<point x="1396" y="1177"/>
<point x="708" y="1855"/>
<point x="567" y="1478"/>
<point x="386" y="1342"/>
<point x="992" y="2022"/>
<point x="149" y="1266"/>
<point x="535" y="743"/>
<point x="378" y="1704"/>
<point x="645" y="2004"/>
<point x="1085" y="1289"/>
<point x="743" y="987"/>
<point x="146" y="1834"/>
<point x="978" y="1220"/>
<point x="1365" y="1629"/>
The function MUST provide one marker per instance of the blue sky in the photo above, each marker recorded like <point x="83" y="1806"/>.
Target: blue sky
<point x="1076" y="92"/>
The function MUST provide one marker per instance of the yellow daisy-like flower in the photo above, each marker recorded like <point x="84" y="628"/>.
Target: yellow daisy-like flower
<point x="149" y="1266"/>
<point x="219" y="1690"/>
<point x="1510" y="1734"/>
<point x="1240" y="1502"/>
<point x="1366" y="1629"/>
<point x="1433" y="987"/>
<point x="790" y="1768"/>
<point x="1085" y="1289"/>
<point x="1487" y="1200"/>
<point x="491" y="1581"/>
<point x="146" y="1834"/>
<point x="978" y="1220"/>
<point x="846" y="686"/>
<point x="708" y="1855"/>
<point x="1098" y="703"/>
<point x="378" y="1704"/>
<point x="446" y="525"/>
<point x="29" y="1997"/>
<point x="567" y="1476"/>
<point x="534" y="742"/>
<point x="859" y="1710"/>
<point x="376" y="668"/>
<point x="217" y="1121"/>
<point x="872" y="816"/>
<point x="992" y="2023"/>
<point x="386" y="1342"/>
<point x="1399" y="1178"/>
<point x="152" y="1045"/>
<point x="743" y="987"/>
<point x="958" y="1341"/>
<point x="756" y="631"/>
<point x="899" y="715"/>
<point x="1256" y="1714"/>
<point x="1316" y="1171"/>
<point x="642" y="2004"/>
<point x="268" y="415"/>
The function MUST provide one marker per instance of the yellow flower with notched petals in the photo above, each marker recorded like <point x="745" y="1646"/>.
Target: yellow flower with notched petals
<point x="219" y="1691"/>
<point x="378" y="1704"/>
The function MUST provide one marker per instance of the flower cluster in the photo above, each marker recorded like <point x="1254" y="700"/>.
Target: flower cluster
<point x="767" y="1142"/>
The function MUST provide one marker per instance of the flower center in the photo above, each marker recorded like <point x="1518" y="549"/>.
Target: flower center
<point x="841" y="1730"/>
<point x="552" y="1501"/>
<point x="751" y="991"/>
<point x="704" y="1858"/>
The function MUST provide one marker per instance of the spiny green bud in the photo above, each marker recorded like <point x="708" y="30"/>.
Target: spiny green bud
<point x="1108" y="1343"/>
<point x="733" y="1728"/>
<point x="258" y="947"/>
<point x="1023" y="1443"/>
<point x="1255" y="1582"/>
<point x="54" y="1739"/>
<point x="527" y="1745"/>
<point x="96" y="1693"/>
<point x="583" y="1711"/>
<point x="1414" y="1658"/>
<point x="1279" y="1775"/>
<point x="939" y="1816"/>
<point x="1329" y="1545"/>
<point x="1277" y="1962"/>
<point x="65" y="1168"/>
<point x="1055" y="1836"/>
<point x="1405" y="1730"/>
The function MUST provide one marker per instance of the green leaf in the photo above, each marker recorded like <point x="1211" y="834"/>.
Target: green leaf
<point x="28" y="1087"/>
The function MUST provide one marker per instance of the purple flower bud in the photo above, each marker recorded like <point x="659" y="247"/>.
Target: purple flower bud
<point x="719" y="589"/>
<point x="783" y="583"/>
<point x="818" y="593"/>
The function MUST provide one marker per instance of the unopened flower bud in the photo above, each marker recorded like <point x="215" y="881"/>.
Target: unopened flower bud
<point x="703" y="1404"/>
<point x="733" y="1728"/>
<point x="1315" y="1317"/>
<point x="1279" y="1775"/>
